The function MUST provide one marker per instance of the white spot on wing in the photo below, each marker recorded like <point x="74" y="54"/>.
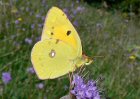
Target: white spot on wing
<point x="52" y="53"/>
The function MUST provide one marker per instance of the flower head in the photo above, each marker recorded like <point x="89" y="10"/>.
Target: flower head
<point x="80" y="9"/>
<point x="43" y="18"/>
<point x="30" y="70"/>
<point x="84" y="90"/>
<point x="66" y="10"/>
<point x="77" y="80"/>
<point x="28" y="40"/>
<point x="6" y="77"/>
<point x="16" y="21"/>
<point x="40" y="25"/>
<point x="38" y="15"/>
<point x="75" y="23"/>
<point x="40" y="85"/>
<point x="33" y="26"/>
<point x="38" y="38"/>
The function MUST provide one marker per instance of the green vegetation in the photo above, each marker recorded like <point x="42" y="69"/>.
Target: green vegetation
<point x="112" y="34"/>
<point x="123" y="5"/>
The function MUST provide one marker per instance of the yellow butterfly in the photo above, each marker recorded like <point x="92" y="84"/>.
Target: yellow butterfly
<point x="59" y="51"/>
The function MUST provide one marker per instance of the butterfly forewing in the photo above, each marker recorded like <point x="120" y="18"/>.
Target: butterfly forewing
<point x="58" y="26"/>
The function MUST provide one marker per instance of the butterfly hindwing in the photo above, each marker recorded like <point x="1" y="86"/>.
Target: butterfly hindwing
<point x="52" y="58"/>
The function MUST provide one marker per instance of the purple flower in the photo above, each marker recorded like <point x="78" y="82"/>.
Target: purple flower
<point x="75" y="23"/>
<point x="40" y="86"/>
<point x="80" y="9"/>
<point x="33" y="26"/>
<point x="28" y="40"/>
<point x="31" y="70"/>
<point x="38" y="16"/>
<point x="84" y="90"/>
<point x="16" y="21"/>
<point x="40" y="25"/>
<point x="77" y="80"/>
<point x="43" y="18"/>
<point x="38" y="38"/>
<point x="75" y="12"/>
<point x="6" y="77"/>
<point x="66" y="10"/>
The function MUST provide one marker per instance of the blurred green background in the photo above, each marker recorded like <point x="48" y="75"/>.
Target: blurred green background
<point x="109" y="28"/>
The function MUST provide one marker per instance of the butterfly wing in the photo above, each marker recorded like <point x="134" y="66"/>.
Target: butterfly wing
<point x="52" y="58"/>
<point x="58" y="26"/>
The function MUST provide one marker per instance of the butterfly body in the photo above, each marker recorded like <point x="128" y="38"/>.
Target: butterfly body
<point x="59" y="51"/>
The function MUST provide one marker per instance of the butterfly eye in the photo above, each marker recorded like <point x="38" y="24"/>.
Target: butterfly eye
<point x="68" y="33"/>
<point x="88" y="61"/>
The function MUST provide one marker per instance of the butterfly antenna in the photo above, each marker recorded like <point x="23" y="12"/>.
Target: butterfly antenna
<point x="98" y="56"/>
<point x="70" y="78"/>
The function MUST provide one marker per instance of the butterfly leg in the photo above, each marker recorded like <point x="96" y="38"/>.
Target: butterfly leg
<point x="82" y="69"/>
<point x="71" y="85"/>
<point x="70" y="78"/>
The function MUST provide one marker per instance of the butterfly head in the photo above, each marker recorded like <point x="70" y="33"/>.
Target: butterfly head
<point x="87" y="60"/>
